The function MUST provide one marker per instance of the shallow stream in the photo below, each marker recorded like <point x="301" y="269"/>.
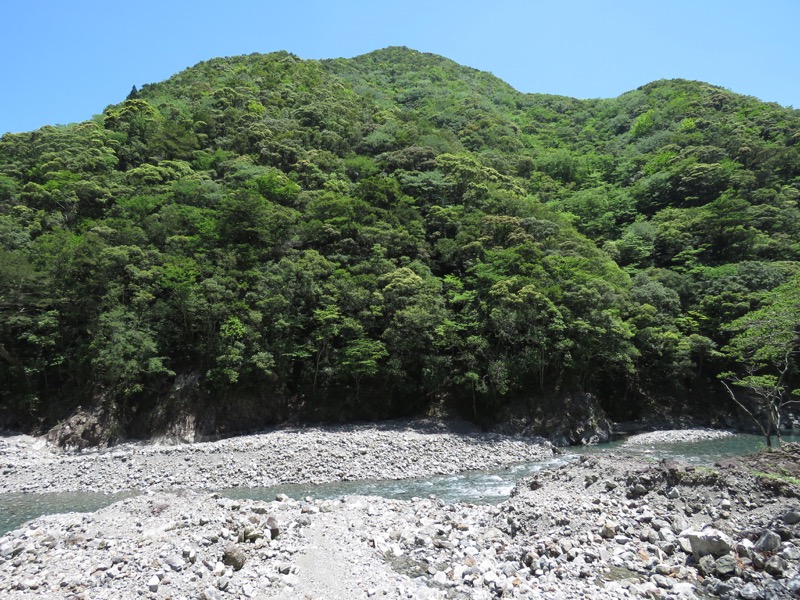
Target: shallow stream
<point x="474" y="486"/>
<point x="491" y="487"/>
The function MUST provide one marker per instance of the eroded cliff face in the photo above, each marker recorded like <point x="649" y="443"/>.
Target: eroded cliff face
<point x="86" y="428"/>
<point x="581" y="420"/>
<point x="188" y="414"/>
<point x="570" y="419"/>
<point x="185" y="415"/>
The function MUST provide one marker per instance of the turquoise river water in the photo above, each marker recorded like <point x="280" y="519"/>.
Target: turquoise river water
<point x="474" y="486"/>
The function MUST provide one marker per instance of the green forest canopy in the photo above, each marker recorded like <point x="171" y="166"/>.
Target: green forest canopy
<point x="362" y="237"/>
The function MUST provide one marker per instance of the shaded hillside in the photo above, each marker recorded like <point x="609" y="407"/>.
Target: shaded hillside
<point x="261" y="237"/>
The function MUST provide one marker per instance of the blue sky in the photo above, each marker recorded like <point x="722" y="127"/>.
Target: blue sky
<point x="62" y="62"/>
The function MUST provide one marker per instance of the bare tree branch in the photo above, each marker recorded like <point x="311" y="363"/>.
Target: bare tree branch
<point x="744" y="408"/>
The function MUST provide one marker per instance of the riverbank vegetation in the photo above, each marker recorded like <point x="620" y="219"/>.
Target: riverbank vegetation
<point x="364" y="238"/>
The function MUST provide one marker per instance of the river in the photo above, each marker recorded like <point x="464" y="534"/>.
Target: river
<point x="473" y="486"/>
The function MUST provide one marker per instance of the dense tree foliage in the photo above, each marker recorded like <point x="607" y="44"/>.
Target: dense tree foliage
<point x="765" y="345"/>
<point x="360" y="238"/>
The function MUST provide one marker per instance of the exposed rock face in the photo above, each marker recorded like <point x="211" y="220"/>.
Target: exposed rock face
<point x="190" y="415"/>
<point x="580" y="420"/>
<point x="86" y="428"/>
<point x="186" y="415"/>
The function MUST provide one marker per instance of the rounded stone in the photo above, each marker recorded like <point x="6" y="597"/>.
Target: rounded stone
<point x="233" y="556"/>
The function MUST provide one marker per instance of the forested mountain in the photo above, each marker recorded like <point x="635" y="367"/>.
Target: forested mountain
<point x="262" y="237"/>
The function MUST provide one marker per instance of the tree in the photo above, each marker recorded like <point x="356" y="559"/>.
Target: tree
<point x="125" y="353"/>
<point x="765" y="345"/>
<point x="528" y="328"/>
<point x="362" y="357"/>
<point x="328" y="324"/>
<point x="390" y="230"/>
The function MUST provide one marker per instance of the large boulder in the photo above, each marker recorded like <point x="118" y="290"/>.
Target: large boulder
<point x="708" y="541"/>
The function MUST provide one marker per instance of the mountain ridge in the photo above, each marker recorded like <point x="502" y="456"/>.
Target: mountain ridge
<point x="262" y="237"/>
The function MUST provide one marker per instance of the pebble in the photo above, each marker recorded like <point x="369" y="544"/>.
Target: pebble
<point x="776" y="566"/>
<point x="176" y="563"/>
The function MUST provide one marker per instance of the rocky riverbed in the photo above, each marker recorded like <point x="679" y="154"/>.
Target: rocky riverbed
<point x="605" y="527"/>
<point x="393" y="450"/>
<point x="676" y="435"/>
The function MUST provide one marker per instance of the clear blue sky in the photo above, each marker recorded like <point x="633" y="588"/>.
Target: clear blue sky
<point x="64" y="61"/>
